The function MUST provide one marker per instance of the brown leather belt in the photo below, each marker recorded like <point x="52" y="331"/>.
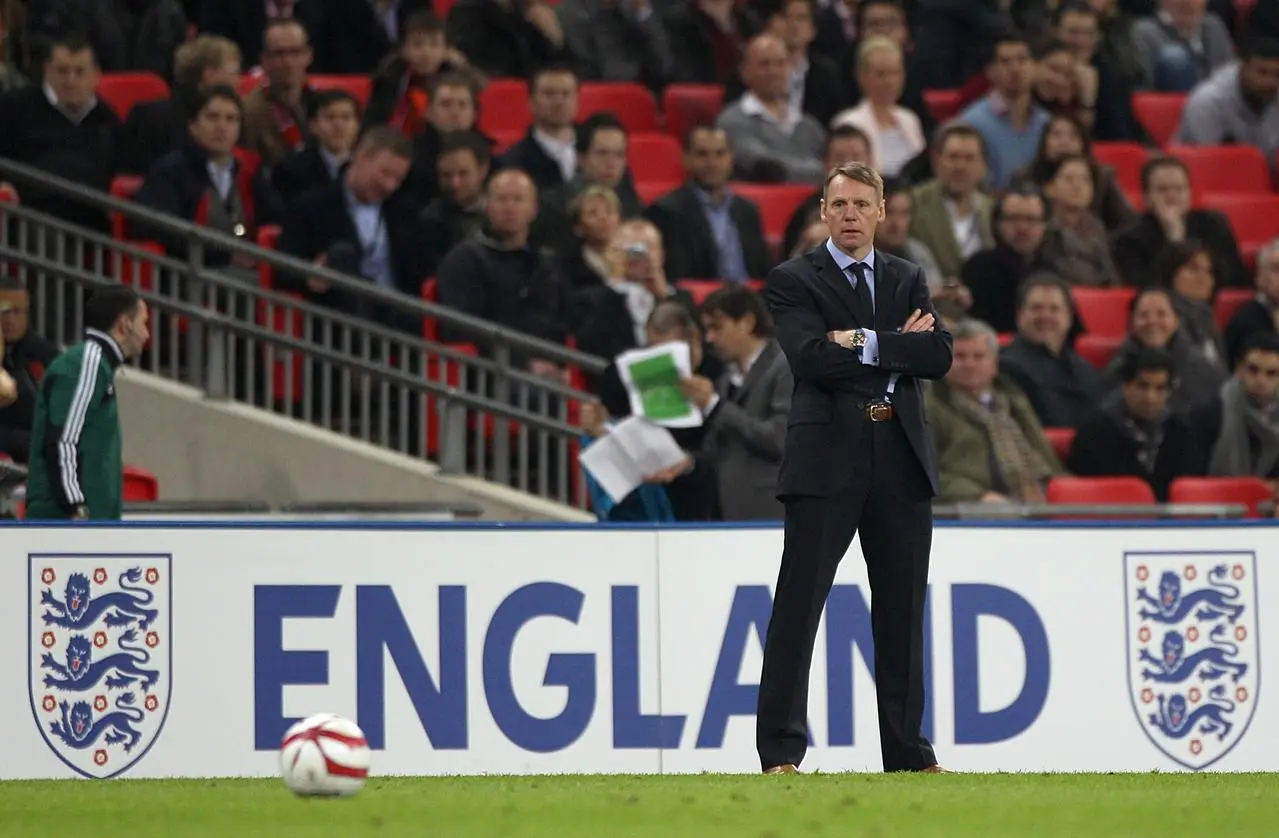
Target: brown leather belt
<point x="880" y="412"/>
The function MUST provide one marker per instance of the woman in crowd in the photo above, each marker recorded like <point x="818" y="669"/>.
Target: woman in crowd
<point x="895" y="133"/>
<point x="1076" y="246"/>
<point x="1185" y="269"/>
<point x="1065" y="135"/>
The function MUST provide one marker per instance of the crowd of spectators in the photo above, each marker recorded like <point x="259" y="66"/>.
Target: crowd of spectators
<point x="1005" y="202"/>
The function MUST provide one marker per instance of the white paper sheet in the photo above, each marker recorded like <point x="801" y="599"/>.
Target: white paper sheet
<point x="634" y="449"/>
<point x="651" y="376"/>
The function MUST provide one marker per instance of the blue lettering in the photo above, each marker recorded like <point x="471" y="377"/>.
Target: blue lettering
<point x="574" y="671"/>
<point x="273" y="667"/>
<point x="631" y="727"/>
<point x="972" y="726"/>
<point x="380" y="627"/>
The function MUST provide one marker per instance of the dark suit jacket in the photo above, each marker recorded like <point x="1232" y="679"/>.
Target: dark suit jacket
<point x="690" y="244"/>
<point x="300" y="173"/>
<point x="155" y="128"/>
<point x="1137" y="248"/>
<point x="319" y="220"/>
<point x="529" y="157"/>
<point x="810" y="296"/>
<point x="1103" y="449"/>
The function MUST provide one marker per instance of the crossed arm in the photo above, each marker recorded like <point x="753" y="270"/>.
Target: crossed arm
<point x="921" y="348"/>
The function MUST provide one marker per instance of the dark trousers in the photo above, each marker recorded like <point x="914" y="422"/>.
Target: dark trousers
<point x="892" y="511"/>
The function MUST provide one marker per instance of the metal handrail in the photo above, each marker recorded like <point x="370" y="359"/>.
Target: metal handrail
<point x="275" y="299"/>
<point x="352" y="363"/>
<point x="490" y="332"/>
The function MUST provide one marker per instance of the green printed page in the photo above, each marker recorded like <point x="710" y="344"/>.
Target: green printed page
<point x="657" y="380"/>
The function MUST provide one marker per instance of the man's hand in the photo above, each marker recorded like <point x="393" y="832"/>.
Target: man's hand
<point x="698" y="389"/>
<point x="1171" y="219"/>
<point x="994" y="497"/>
<point x="918" y="322"/>
<point x="316" y="285"/>
<point x="666" y="475"/>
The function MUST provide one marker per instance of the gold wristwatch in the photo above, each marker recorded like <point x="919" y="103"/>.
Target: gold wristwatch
<point x="859" y="339"/>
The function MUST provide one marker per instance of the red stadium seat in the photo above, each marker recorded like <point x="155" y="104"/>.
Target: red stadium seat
<point x="283" y="320"/>
<point x="1230" y="168"/>
<point x="1228" y="302"/>
<point x="140" y="485"/>
<point x="777" y="202"/>
<point x="655" y="157"/>
<point x="632" y="104"/>
<point x="688" y="105"/>
<point x="1254" y="218"/>
<point x="124" y="90"/>
<point x="359" y="86"/>
<point x="503" y="140"/>
<point x="1097" y="350"/>
<point x="1061" y="440"/>
<point x="943" y="104"/>
<point x="1103" y="311"/>
<point x="504" y="107"/>
<point x="1099" y="490"/>
<point x="1250" y="491"/>
<point x="123" y="187"/>
<point x="1126" y="159"/>
<point x="700" y="289"/>
<point x="650" y="190"/>
<point x="1159" y="113"/>
<point x="1006" y="338"/>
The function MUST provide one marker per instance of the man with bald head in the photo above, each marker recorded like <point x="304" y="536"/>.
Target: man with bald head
<point x="772" y="139"/>
<point x="499" y="276"/>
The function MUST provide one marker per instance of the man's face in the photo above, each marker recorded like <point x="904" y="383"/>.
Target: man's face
<point x="847" y="150"/>
<point x="15" y="308"/>
<point x="1154" y="321"/>
<point x="886" y="21"/>
<point x="605" y="161"/>
<point x="1044" y="317"/>
<point x="1258" y="373"/>
<point x="1079" y="32"/>
<point x="1268" y="273"/>
<point x="1259" y="78"/>
<point x="72" y="75"/>
<point x="1169" y="186"/>
<point x="135" y="333"/>
<point x="852" y="211"/>
<point x="766" y="70"/>
<point x="709" y="160"/>
<point x="796" y="26"/>
<point x="216" y="128"/>
<point x="1146" y="396"/>
<point x="337" y="126"/>
<point x="554" y="100"/>
<point x="1011" y="69"/>
<point x="286" y="55"/>
<point x="732" y="339"/>
<point x="452" y="108"/>
<point x="376" y="175"/>
<point x="512" y="203"/>
<point x="1022" y="224"/>
<point x="961" y="165"/>
<point x="461" y="176"/>
<point x="424" y="52"/>
<point x="896" y="227"/>
<point x="975" y="365"/>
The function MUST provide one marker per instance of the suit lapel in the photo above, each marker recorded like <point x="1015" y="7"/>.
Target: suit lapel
<point x="703" y="233"/>
<point x="839" y="282"/>
<point x="761" y="365"/>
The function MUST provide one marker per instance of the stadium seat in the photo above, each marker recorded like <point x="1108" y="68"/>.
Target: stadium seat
<point x="123" y="187"/>
<point x="632" y="104"/>
<point x="282" y="320"/>
<point x="700" y="289"/>
<point x="943" y="104"/>
<point x="1097" y="350"/>
<point x="1227" y="303"/>
<point x="1099" y="490"/>
<point x="777" y="202"/>
<point x="124" y="90"/>
<point x="1103" y="311"/>
<point x="655" y="157"/>
<point x="1126" y="159"/>
<point x="687" y="105"/>
<point x="503" y="140"/>
<point x="650" y="190"/>
<point x="1229" y="168"/>
<point x="140" y="485"/>
<point x="1159" y="113"/>
<point x="1254" y="219"/>
<point x="1061" y="440"/>
<point x="1006" y="338"/>
<point x="359" y="86"/>
<point x="504" y="107"/>
<point x="1250" y="491"/>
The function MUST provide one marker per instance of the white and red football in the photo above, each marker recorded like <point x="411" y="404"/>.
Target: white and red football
<point x="324" y="755"/>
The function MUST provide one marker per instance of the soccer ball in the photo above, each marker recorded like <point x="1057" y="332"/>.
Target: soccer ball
<point x="324" y="755"/>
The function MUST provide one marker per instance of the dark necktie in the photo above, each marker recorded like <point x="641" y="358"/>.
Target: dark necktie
<point x="860" y="287"/>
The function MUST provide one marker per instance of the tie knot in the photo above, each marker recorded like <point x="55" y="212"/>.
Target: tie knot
<point x="858" y="269"/>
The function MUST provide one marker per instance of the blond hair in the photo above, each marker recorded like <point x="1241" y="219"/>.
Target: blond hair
<point x="603" y="193"/>
<point x="859" y="172"/>
<point x="204" y="52"/>
<point x="874" y="45"/>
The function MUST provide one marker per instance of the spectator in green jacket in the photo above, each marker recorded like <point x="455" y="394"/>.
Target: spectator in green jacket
<point x="76" y="471"/>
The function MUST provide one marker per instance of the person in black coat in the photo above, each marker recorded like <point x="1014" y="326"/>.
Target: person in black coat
<point x="26" y="356"/>
<point x="1133" y="433"/>
<point x="334" y="116"/>
<point x="707" y="231"/>
<point x="553" y="103"/>
<point x="507" y="38"/>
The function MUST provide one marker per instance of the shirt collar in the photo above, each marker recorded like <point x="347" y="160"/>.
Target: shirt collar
<point x="752" y="105"/>
<point x="704" y="198"/>
<point x="77" y="115"/>
<point x="844" y="261"/>
<point x="109" y="343"/>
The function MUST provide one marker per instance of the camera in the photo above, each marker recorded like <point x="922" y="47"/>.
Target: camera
<point x="636" y="250"/>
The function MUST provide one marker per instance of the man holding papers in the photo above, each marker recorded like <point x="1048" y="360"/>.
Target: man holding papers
<point x="860" y="333"/>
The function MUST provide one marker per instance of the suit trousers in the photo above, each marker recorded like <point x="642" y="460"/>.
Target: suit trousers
<point x="889" y="504"/>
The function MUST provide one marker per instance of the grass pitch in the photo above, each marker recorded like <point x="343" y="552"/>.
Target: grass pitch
<point x="845" y="805"/>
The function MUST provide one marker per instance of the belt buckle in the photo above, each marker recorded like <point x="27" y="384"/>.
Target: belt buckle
<point x="880" y="412"/>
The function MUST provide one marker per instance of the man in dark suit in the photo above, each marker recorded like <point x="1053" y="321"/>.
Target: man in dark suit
<point x="859" y="331"/>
